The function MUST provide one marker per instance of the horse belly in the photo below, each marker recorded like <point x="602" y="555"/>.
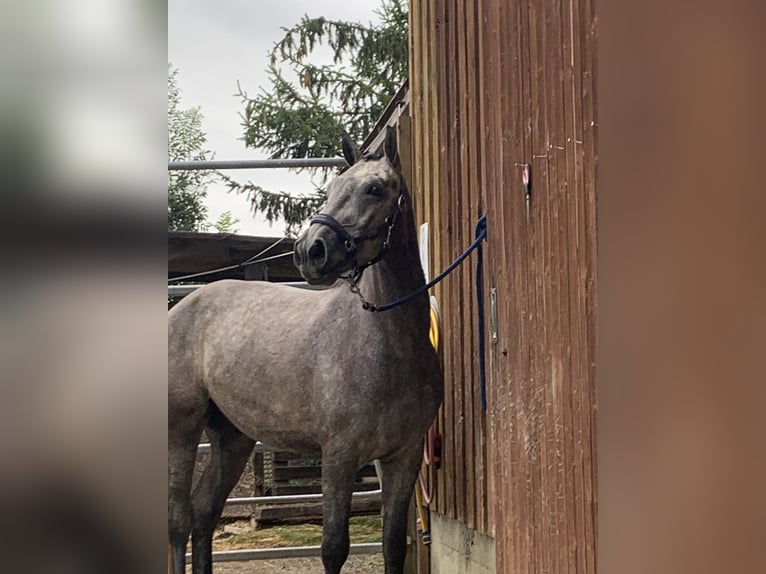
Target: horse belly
<point x="278" y="415"/>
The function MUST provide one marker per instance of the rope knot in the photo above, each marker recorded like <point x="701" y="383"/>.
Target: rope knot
<point x="480" y="231"/>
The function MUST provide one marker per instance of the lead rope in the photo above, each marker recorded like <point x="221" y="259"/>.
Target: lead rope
<point x="480" y="235"/>
<point x="480" y="231"/>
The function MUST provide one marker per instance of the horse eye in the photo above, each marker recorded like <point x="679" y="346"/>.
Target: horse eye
<point x="374" y="189"/>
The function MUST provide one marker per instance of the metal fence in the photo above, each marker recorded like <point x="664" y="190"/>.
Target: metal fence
<point x="295" y="163"/>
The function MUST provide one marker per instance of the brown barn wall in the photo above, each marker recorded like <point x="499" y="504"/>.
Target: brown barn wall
<point x="496" y="85"/>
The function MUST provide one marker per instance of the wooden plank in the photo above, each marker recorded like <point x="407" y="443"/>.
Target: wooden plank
<point x="424" y="166"/>
<point x="447" y="173"/>
<point x="508" y="88"/>
<point x="296" y="472"/>
<point x="586" y="31"/>
<point x="518" y="543"/>
<point x="445" y="476"/>
<point x="505" y="247"/>
<point x="549" y="340"/>
<point x="464" y="216"/>
<point x="284" y="457"/>
<point x="456" y="210"/>
<point x="289" y="489"/>
<point x="432" y="151"/>
<point x="258" y="475"/>
<point x="578" y="333"/>
<point x="547" y="348"/>
<point x="447" y="490"/>
<point x="573" y="63"/>
<point x="416" y="142"/>
<point x="529" y="381"/>
<point x="416" y="101"/>
<point x="559" y="310"/>
<point x="590" y="121"/>
<point x="488" y="37"/>
<point x="449" y="239"/>
<point x="476" y="81"/>
<point x="477" y="198"/>
<point x="433" y="23"/>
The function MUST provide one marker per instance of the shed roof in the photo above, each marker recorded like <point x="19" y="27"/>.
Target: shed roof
<point x="194" y="252"/>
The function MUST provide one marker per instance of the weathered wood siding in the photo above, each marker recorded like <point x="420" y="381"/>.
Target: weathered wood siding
<point x="495" y="85"/>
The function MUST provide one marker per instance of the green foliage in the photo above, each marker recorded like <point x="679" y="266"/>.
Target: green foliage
<point x="278" y="205"/>
<point x="361" y="530"/>
<point x="310" y="103"/>
<point x="186" y="140"/>
<point x="226" y="223"/>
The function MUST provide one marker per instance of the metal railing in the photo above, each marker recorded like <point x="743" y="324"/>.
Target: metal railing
<point x="257" y="163"/>
<point x="183" y="290"/>
<point x="288" y="552"/>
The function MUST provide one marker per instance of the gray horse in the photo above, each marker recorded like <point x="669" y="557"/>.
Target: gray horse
<point x="310" y="371"/>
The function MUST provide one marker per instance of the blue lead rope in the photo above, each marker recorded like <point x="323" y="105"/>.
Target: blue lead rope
<point x="480" y="235"/>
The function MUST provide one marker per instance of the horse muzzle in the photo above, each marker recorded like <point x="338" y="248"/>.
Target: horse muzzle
<point x="320" y="256"/>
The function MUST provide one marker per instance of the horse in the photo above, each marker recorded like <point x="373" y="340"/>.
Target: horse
<point x="314" y="372"/>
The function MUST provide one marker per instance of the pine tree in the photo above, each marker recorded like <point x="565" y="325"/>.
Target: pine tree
<point x="306" y="117"/>
<point x="186" y="141"/>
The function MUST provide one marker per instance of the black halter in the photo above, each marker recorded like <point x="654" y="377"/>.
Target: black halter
<point x="352" y="242"/>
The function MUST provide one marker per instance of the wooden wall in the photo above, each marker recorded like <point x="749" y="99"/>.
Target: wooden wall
<point x="495" y="85"/>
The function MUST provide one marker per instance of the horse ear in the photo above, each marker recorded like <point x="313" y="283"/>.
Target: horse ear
<point x="350" y="150"/>
<point x="392" y="150"/>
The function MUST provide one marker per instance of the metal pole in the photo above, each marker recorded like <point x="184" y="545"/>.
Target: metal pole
<point x="257" y="163"/>
<point x="289" y="552"/>
<point x="288" y="498"/>
<point x="183" y="290"/>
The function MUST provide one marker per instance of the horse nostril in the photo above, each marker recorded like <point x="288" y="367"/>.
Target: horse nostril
<point x="317" y="253"/>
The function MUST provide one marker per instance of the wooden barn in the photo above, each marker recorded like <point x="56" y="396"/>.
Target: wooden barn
<point x="500" y="117"/>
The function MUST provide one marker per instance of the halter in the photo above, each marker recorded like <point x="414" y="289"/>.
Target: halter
<point x="352" y="242"/>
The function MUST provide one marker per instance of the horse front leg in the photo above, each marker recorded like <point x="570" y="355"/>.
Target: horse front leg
<point x="180" y="470"/>
<point x="337" y="486"/>
<point x="229" y="452"/>
<point x="399" y="474"/>
<point x="183" y="437"/>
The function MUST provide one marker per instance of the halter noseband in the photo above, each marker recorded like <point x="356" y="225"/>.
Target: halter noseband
<point x="352" y="242"/>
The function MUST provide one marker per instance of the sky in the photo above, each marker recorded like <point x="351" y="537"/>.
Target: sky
<point x="216" y="44"/>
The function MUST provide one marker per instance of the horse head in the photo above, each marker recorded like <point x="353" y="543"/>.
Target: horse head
<point x="353" y="229"/>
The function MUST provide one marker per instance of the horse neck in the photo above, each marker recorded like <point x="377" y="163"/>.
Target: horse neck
<point x="399" y="272"/>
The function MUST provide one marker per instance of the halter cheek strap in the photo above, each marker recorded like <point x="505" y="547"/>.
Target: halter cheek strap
<point x="352" y="242"/>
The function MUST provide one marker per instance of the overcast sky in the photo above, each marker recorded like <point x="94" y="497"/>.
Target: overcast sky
<point x="216" y="44"/>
